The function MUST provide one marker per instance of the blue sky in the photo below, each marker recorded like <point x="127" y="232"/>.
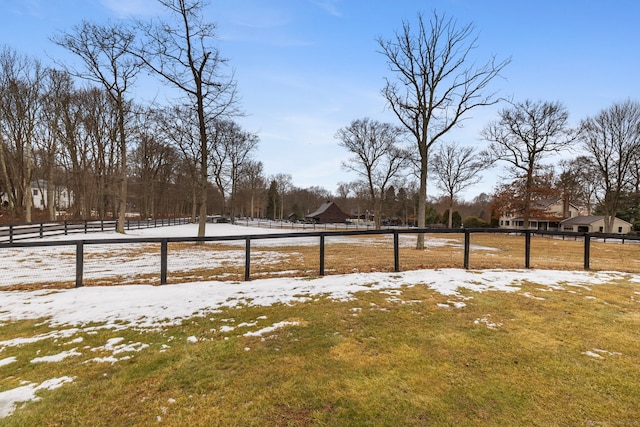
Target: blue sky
<point x="306" y="68"/>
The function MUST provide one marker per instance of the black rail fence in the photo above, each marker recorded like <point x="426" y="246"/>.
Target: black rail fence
<point x="323" y="236"/>
<point x="15" y="232"/>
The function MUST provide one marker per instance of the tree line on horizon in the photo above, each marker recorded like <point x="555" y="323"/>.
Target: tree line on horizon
<point x="84" y="129"/>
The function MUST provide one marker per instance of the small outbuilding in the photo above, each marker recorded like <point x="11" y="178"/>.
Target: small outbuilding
<point x="328" y="212"/>
<point x="594" y="224"/>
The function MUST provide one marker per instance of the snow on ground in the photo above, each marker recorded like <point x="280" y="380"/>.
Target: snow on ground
<point x="25" y="393"/>
<point x="19" y="266"/>
<point x="144" y="306"/>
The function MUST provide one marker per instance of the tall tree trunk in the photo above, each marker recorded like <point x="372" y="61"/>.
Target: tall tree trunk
<point x="28" y="193"/>
<point x="422" y="201"/>
<point x="51" y="193"/>
<point x="122" y="213"/>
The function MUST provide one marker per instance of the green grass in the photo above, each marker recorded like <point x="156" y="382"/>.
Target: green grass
<point x="503" y="359"/>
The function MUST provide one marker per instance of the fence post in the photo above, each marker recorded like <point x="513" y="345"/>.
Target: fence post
<point x="66" y="227"/>
<point x="41" y="230"/>
<point x="396" y="251"/>
<point x="322" y="254"/>
<point x="527" y="249"/>
<point x="467" y="240"/>
<point x="85" y="226"/>
<point x="247" y="259"/>
<point x="10" y="233"/>
<point x="587" y="250"/>
<point x="79" y="263"/>
<point x="163" y="262"/>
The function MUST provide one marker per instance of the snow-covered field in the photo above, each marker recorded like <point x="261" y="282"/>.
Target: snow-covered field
<point x="43" y="265"/>
<point x="70" y="311"/>
<point x="144" y="306"/>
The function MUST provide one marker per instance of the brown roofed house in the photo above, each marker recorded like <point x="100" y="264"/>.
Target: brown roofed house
<point x="328" y="212"/>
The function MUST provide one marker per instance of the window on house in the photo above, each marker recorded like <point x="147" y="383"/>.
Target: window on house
<point x="35" y="191"/>
<point x="506" y="223"/>
<point x="600" y="229"/>
<point x="619" y="229"/>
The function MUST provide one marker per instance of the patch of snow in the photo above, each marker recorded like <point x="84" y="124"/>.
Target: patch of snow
<point x="113" y="345"/>
<point x="530" y="295"/>
<point x="489" y="324"/>
<point x="16" y="342"/>
<point x="145" y="306"/>
<point x="7" y="360"/>
<point x="271" y="328"/>
<point x="24" y="393"/>
<point x="56" y="357"/>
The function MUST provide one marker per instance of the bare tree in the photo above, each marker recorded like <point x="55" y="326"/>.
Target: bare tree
<point x="21" y="88"/>
<point x="578" y="180"/>
<point x="283" y="183"/>
<point x="253" y="181"/>
<point x="59" y="86"/>
<point x="612" y="138"/>
<point x="154" y="160"/>
<point x="104" y="50"/>
<point x="232" y="149"/>
<point x="74" y="146"/>
<point x="181" y="52"/>
<point x="377" y="156"/>
<point x="526" y="133"/>
<point x="437" y="84"/>
<point x="179" y="127"/>
<point x="456" y="168"/>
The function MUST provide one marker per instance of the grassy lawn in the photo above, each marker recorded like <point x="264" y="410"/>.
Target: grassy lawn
<point x="541" y="356"/>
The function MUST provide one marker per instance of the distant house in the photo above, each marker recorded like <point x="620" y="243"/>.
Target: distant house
<point x="550" y="214"/>
<point x="62" y="196"/>
<point x="595" y="224"/>
<point x="328" y="212"/>
<point x="558" y="214"/>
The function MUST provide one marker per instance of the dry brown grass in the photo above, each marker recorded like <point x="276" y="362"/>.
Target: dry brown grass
<point x="539" y="356"/>
<point x="371" y="253"/>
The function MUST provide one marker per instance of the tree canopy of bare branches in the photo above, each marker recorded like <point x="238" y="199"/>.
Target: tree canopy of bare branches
<point x="21" y="91"/>
<point x="181" y="51"/>
<point x="437" y="82"/>
<point x="456" y="168"/>
<point x="525" y="133"/>
<point x="104" y="51"/>
<point x="612" y="138"/>
<point x="377" y="156"/>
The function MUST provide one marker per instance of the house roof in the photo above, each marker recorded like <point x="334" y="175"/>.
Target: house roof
<point x="321" y="209"/>
<point x="587" y="220"/>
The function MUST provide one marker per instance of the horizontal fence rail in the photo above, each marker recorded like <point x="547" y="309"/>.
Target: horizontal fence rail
<point x="15" y="232"/>
<point x="322" y="236"/>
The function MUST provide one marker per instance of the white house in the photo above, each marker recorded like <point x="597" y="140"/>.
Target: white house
<point x="595" y="224"/>
<point x="62" y="197"/>
<point x="555" y="210"/>
<point x="561" y="215"/>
